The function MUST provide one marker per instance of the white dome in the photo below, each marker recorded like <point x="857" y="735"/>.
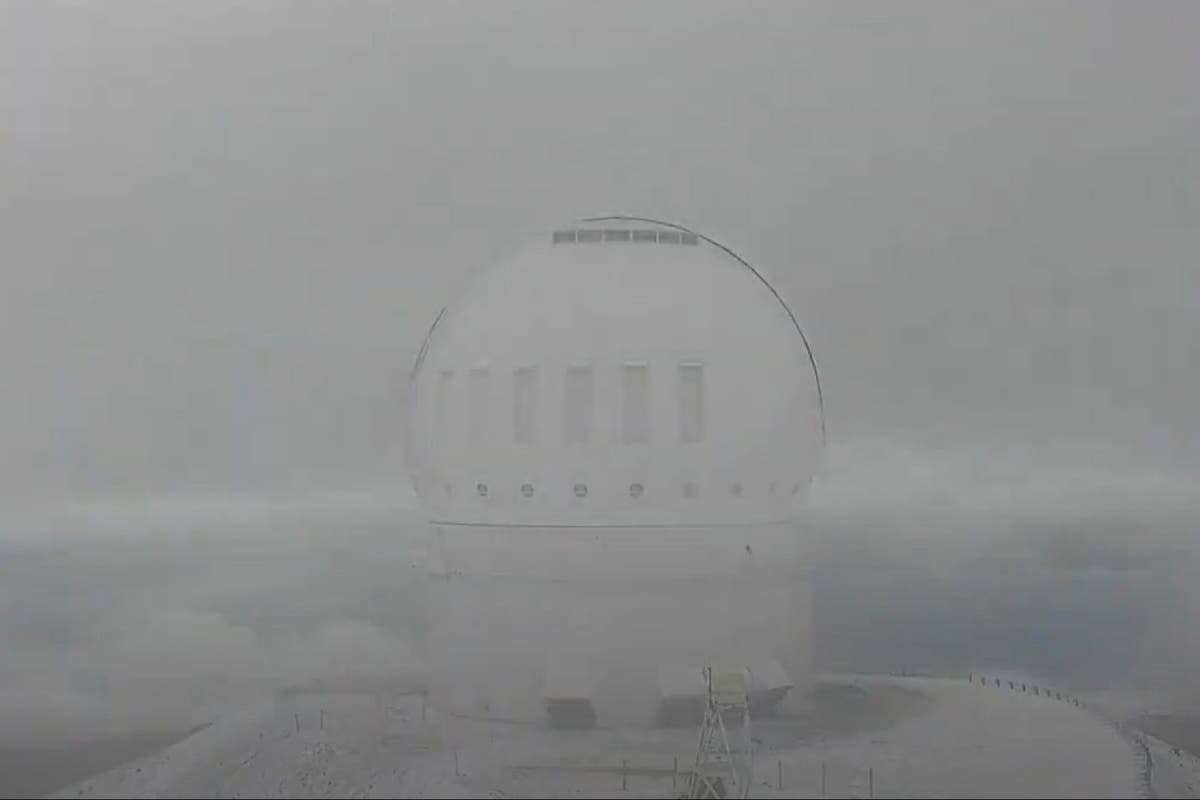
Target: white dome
<point x="618" y="372"/>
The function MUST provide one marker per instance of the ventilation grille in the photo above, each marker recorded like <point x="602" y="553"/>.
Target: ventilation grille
<point x="592" y="235"/>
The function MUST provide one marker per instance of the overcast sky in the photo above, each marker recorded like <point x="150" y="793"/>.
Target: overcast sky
<point x="225" y="228"/>
<point x="985" y="215"/>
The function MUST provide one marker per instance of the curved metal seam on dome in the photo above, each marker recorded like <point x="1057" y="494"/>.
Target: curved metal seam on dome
<point x="412" y="376"/>
<point x="412" y="386"/>
<point x="812" y="360"/>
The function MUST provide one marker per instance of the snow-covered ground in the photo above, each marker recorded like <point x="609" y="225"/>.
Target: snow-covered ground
<point x="964" y="740"/>
<point x="1174" y="772"/>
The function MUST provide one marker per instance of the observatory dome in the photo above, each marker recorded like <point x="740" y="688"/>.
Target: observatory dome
<point x="618" y="372"/>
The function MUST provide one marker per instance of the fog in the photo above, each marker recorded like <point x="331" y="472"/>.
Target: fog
<point x="225" y="229"/>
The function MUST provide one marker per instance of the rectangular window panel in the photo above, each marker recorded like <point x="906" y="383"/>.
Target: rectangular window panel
<point x="525" y="403"/>
<point x="691" y="401"/>
<point x="579" y="403"/>
<point x="635" y="404"/>
<point x="441" y="409"/>
<point x="481" y="387"/>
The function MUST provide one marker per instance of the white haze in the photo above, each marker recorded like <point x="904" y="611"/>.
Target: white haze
<point x="225" y="227"/>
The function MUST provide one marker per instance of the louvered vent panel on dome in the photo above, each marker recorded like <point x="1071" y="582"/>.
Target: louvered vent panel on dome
<point x="593" y="235"/>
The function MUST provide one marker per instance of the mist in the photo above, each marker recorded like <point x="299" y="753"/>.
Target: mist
<point x="227" y="227"/>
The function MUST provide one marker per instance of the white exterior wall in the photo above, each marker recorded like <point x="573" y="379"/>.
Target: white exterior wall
<point x="704" y="562"/>
<point x="608" y="305"/>
<point x="612" y="604"/>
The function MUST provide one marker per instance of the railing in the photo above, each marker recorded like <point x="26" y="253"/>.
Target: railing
<point x="1024" y="687"/>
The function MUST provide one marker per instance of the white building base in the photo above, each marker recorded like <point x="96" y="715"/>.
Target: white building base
<point x="528" y="618"/>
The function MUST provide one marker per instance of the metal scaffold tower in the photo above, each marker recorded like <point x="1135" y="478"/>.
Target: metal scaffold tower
<point x="724" y="755"/>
